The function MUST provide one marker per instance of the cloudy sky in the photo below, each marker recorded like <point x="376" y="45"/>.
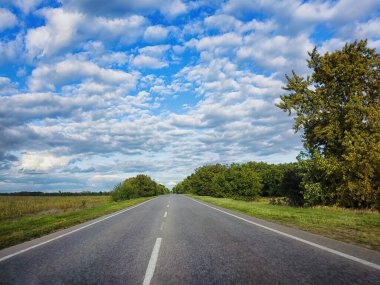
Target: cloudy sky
<point x="92" y="93"/>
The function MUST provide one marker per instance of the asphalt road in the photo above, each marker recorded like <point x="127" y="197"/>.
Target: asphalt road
<point x="175" y="240"/>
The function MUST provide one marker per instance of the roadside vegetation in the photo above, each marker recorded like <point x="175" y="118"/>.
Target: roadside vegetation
<point x="138" y="186"/>
<point x="338" y="110"/>
<point x="25" y="218"/>
<point x="12" y="207"/>
<point x="360" y="227"/>
<point x="334" y="187"/>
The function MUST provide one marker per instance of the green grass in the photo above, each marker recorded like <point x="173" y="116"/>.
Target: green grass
<point x="18" y="227"/>
<point x="12" y="207"/>
<point x="360" y="227"/>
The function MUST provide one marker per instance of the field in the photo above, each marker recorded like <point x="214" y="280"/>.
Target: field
<point x="26" y="217"/>
<point x="12" y="207"/>
<point x="361" y="227"/>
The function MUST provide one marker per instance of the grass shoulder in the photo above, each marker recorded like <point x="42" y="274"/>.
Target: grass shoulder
<point x="21" y="228"/>
<point x="360" y="227"/>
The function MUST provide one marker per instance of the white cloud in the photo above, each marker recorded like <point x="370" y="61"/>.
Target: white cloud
<point x="368" y="29"/>
<point x="218" y="44"/>
<point x="124" y="30"/>
<point x="7" y="19"/>
<point x="145" y="61"/>
<point x="42" y="161"/>
<point x="223" y="23"/>
<point x="157" y="51"/>
<point x="6" y="86"/>
<point x="67" y="30"/>
<point x="48" y="77"/>
<point x="279" y="54"/>
<point x="60" y="32"/>
<point x="331" y="45"/>
<point x="173" y="9"/>
<point x="27" y="5"/>
<point x="294" y="16"/>
<point x="154" y="34"/>
<point x="12" y="51"/>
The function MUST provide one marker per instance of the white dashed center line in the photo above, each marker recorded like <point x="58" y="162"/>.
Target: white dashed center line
<point x="152" y="262"/>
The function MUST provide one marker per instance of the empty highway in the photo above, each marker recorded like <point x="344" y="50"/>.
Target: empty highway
<point x="173" y="239"/>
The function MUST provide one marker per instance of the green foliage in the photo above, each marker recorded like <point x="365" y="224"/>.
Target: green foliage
<point x="338" y="109"/>
<point x="271" y="176"/>
<point x="236" y="181"/>
<point x="291" y="186"/>
<point x="139" y="186"/>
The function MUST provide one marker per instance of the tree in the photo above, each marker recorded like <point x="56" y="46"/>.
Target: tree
<point x="242" y="182"/>
<point x="203" y="181"/>
<point x="271" y="176"/>
<point x="139" y="186"/>
<point x="236" y="181"/>
<point x="338" y="109"/>
<point x="291" y="186"/>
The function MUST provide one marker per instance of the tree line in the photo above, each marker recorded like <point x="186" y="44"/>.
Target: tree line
<point x="239" y="181"/>
<point x="337" y="108"/>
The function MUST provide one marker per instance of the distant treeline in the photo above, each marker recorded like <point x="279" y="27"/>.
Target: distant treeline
<point x="291" y="183"/>
<point x="240" y="181"/>
<point x="84" y="193"/>
<point x="139" y="186"/>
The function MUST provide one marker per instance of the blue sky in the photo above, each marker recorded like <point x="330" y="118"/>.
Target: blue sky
<point x="93" y="93"/>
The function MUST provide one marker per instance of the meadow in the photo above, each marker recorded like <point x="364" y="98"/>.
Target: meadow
<point x="12" y="207"/>
<point x="360" y="227"/>
<point x="26" y="217"/>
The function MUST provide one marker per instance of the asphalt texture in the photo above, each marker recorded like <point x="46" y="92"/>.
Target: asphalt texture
<point x="199" y="246"/>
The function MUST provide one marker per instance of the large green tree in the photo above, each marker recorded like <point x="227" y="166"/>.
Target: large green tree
<point x="138" y="186"/>
<point x="338" y="109"/>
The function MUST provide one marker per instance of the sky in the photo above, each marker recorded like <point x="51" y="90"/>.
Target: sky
<point x="93" y="92"/>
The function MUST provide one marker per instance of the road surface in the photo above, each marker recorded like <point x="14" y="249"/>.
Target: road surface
<point x="173" y="239"/>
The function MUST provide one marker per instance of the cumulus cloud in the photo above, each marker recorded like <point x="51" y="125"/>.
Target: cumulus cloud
<point x="368" y="29"/>
<point x="295" y="15"/>
<point x="27" y="6"/>
<point x="42" y="161"/>
<point x="7" y="86"/>
<point x="278" y="53"/>
<point x="154" y="34"/>
<point x="49" y="77"/>
<point x="65" y="30"/>
<point x="144" y="61"/>
<point x="11" y="51"/>
<point x="7" y="19"/>
<point x="223" y="23"/>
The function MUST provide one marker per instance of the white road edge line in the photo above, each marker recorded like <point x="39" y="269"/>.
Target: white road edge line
<point x="71" y="232"/>
<point x="152" y="262"/>
<point x="333" y="251"/>
<point x="166" y="214"/>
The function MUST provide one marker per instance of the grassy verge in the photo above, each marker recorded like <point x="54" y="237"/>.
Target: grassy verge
<point x="22" y="228"/>
<point x="353" y="226"/>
